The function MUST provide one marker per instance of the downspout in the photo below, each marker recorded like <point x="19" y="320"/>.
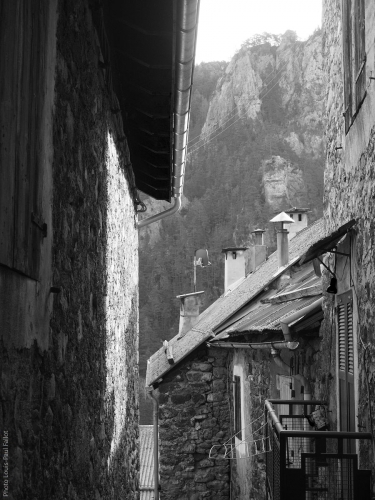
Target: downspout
<point x="255" y="345"/>
<point x="155" y="403"/>
<point x="185" y="57"/>
<point x="315" y="306"/>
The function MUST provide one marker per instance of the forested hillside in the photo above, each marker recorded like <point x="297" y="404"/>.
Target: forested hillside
<point x="255" y="147"/>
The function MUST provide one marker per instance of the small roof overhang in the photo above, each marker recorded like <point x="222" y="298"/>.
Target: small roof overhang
<point x="326" y="244"/>
<point x="150" y="58"/>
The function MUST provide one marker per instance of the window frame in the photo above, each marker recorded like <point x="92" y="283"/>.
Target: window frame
<point x="237" y="406"/>
<point x="354" y="58"/>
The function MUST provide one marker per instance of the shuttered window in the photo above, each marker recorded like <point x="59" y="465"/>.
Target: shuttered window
<point x="360" y="51"/>
<point x="354" y="58"/>
<point x="23" y="70"/>
<point x="346" y="360"/>
<point x="237" y="407"/>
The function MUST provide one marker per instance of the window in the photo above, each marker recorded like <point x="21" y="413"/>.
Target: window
<point x="300" y="217"/>
<point x="22" y="125"/>
<point x="237" y="407"/>
<point x="346" y="361"/>
<point x="354" y="58"/>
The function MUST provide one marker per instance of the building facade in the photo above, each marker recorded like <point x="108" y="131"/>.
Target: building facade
<point x="69" y="291"/>
<point x="349" y="64"/>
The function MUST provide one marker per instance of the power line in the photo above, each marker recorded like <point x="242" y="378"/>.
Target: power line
<point x="226" y="128"/>
<point x="235" y="110"/>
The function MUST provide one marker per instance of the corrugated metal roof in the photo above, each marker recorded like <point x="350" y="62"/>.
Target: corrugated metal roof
<point x="146" y="459"/>
<point x="147" y="495"/>
<point x="268" y="316"/>
<point x="229" y="304"/>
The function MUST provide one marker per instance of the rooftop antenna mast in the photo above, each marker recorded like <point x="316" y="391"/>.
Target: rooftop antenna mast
<point x="200" y="259"/>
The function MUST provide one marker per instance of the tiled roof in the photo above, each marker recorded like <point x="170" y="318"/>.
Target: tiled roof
<point x="228" y="304"/>
<point x="146" y="458"/>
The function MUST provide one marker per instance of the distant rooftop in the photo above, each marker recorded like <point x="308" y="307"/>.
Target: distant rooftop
<point x="223" y="308"/>
<point x="146" y="460"/>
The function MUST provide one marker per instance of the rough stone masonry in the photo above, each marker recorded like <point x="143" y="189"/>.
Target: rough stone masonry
<point x="69" y="398"/>
<point x="194" y="416"/>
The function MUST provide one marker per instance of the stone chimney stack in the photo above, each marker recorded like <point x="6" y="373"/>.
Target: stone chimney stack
<point x="300" y="218"/>
<point x="189" y="311"/>
<point x="282" y="238"/>
<point x="235" y="265"/>
<point x="256" y="253"/>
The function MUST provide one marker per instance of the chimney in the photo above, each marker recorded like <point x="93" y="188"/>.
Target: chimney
<point x="189" y="311"/>
<point x="300" y="218"/>
<point x="282" y="238"/>
<point x="256" y="253"/>
<point x="235" y="264"/>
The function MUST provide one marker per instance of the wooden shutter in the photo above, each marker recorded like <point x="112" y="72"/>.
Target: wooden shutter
<point x="347" y="48"/>
<point x="346" y="361"/>
<point x="360" y="51"/>
<point x="23" y="47"/>
<point x="237" y="407"/>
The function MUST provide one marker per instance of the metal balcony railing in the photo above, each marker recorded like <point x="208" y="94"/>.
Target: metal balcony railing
<point x="306" y="464"/>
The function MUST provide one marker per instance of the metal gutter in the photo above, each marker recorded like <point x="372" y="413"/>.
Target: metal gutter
<point x="187" y="28"/>
<point x="255" y="345"/>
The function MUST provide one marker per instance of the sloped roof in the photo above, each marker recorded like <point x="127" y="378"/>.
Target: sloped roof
<point x="146" y="459"/>
<point x="268" y="316"/>
<point x="327" y="243"/>
<point x="227" y="305"/>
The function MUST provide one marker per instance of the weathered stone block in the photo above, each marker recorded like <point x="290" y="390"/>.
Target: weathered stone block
<point x="217" y="485"/>
<point x="179" y="399"/>
<point x="198" y="376"/>
<point x="204" y="476"/>
<point x="207" y="434"/>
<point x="203" y="367"/>
<point x="188" y="448"/>
<point x="219" y="385"/>
<point x="215" y="397"/>
<point x="205" y="463"/>
<point x="219" y="372"/>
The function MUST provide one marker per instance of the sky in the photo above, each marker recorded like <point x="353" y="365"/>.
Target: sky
<point x="225" y="24"/>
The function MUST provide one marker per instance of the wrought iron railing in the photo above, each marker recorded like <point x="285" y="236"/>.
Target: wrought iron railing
<point x="306" y="464"/>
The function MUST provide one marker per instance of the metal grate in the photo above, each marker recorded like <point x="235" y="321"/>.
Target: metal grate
<point x="329" y="477"/>
<point x="306" y="464"/>
<point x="273" y="465"/>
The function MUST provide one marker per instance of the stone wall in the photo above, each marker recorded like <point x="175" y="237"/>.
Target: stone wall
<point x="349" y="193"/>
<point x="194" y="416"/>
<point x="70" y="403"/>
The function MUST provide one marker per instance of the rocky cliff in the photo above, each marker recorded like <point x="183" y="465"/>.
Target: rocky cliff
<point x="278" y="84"/>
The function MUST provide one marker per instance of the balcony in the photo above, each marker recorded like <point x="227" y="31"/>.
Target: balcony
<point x="306" y="464"/>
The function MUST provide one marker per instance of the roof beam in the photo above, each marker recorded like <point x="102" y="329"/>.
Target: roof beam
<point x="309" y="291"/>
